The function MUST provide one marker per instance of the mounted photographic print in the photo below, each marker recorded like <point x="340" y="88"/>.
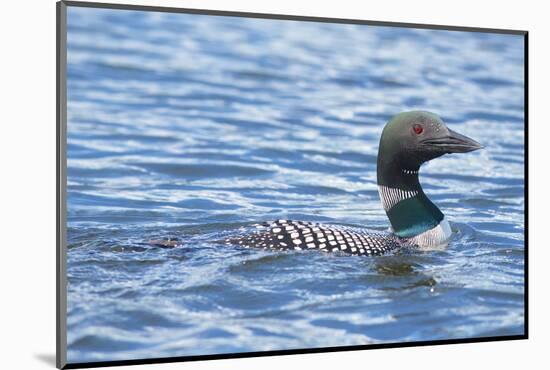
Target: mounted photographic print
<point x="236" y="184"/>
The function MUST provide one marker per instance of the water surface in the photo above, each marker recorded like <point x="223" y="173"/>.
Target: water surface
<point x="194" y="126"/>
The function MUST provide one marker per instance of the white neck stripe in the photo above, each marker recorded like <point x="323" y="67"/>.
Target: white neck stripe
<point x="391" y="196"/>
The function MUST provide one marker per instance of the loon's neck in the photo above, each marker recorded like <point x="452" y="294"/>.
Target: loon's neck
<point x="409" y="210"/>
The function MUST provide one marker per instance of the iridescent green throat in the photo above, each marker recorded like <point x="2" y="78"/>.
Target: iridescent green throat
<point x="409" y="210"/>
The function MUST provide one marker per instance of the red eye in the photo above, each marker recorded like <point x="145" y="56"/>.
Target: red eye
<point x="418" y="129"/>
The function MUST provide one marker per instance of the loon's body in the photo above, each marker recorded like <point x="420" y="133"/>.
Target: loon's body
<point x="300" y="235"/>
<point x="408" y="140"/>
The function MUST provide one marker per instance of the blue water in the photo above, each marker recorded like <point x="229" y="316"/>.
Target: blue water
<point x="193" y="126"/>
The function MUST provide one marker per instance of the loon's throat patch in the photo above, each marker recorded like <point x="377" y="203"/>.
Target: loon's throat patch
<point x="413" y="216"/>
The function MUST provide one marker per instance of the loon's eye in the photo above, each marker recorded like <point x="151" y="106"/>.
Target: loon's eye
<point x="418" y="129"/>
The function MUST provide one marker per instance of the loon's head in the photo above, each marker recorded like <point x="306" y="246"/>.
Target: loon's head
<point x="408" y="140"/>
<point x="413" y="138"/>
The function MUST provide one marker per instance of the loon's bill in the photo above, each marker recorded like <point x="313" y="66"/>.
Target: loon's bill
<point x="408" y="140"/>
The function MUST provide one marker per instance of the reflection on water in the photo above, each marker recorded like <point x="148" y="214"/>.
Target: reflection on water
<point x="193" y="126"/>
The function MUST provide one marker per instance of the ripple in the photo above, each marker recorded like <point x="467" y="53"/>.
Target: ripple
<point x="199" y="171"/>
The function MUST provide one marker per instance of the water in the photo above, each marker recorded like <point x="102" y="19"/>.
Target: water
<point x="192" y="126"/>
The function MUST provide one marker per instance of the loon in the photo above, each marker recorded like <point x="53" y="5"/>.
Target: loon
<point x="408" y="140"/>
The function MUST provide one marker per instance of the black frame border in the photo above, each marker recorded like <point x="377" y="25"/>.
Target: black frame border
<point x="61" y="186"/>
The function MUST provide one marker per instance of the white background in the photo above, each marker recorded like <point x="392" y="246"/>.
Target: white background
<point x="27" y="203"/>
